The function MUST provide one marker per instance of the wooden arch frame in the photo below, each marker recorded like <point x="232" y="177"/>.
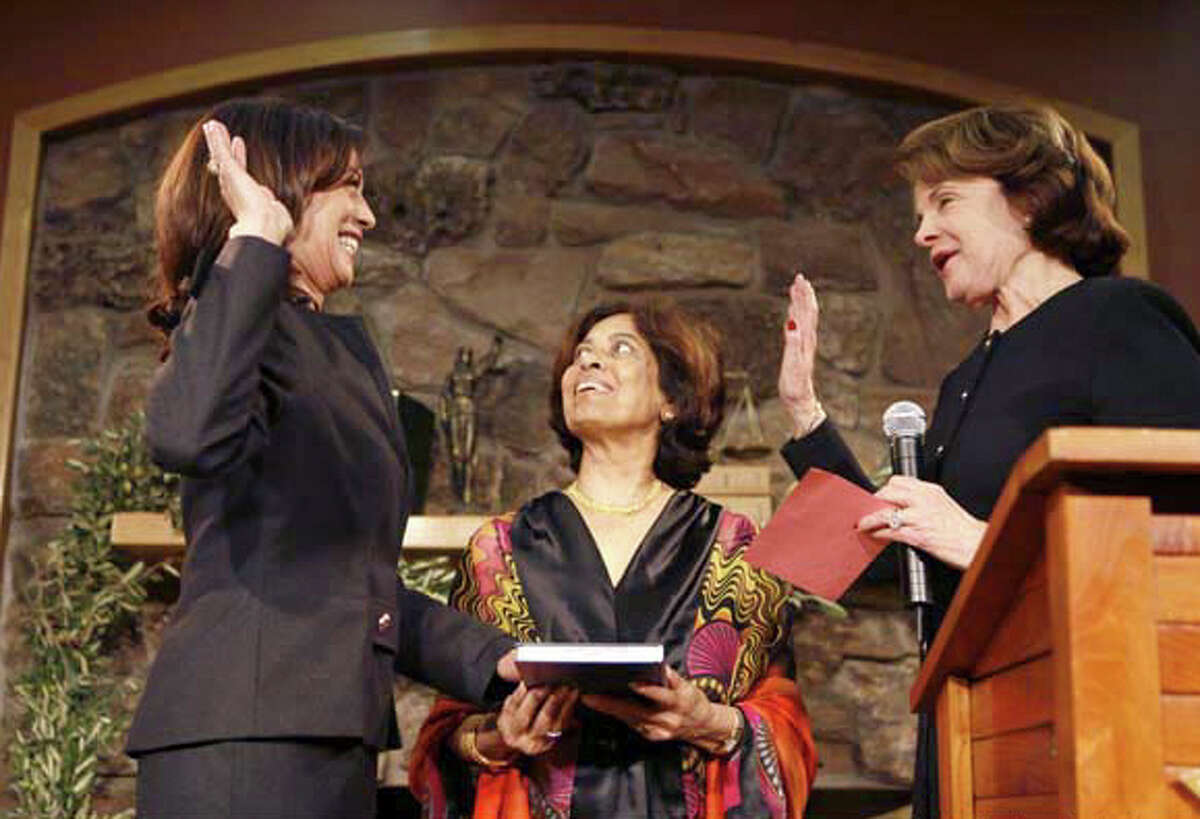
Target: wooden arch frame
<point x="755" y="52"/>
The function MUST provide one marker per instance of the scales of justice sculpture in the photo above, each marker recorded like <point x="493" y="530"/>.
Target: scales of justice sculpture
<point x="741" y="437"/>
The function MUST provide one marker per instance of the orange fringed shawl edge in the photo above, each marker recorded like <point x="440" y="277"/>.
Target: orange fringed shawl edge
<point x="504" y="793"/>
<point x="776" y="699"/>
<point x="501" y="793"/>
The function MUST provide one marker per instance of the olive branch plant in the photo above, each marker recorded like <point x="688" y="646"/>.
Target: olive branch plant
<point x="79" y="599"/>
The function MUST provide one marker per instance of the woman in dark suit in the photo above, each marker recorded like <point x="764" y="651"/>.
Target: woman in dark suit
<point x="1016" y="211"/>
<point x="271" y="693"/>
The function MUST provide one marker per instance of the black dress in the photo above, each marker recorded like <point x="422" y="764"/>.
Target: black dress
<point x="1104" y="352"/>
<point x="539" y="575"/>
<point x="291" y="621"/>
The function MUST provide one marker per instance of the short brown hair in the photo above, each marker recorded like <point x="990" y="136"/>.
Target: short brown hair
<point x="1045" y="166"/>
<point x="291" y="149"/>
<point x="688" y="351"/>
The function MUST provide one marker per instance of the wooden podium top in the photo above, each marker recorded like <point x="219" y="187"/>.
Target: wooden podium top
<point x="994" y="576"/>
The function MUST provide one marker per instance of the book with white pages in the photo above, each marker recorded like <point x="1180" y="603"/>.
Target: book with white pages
<point x="593" y="668"/>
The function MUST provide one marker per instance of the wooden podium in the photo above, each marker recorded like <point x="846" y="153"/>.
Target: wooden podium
<point x="1066" y="675"/>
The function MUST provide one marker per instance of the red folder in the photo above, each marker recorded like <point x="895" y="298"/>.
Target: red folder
<point x="811" y="540"/>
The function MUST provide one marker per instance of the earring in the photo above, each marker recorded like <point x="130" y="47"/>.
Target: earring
<point x="667" y="416"/>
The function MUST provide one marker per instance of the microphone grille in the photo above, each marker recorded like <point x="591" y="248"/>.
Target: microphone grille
<point x="903" y="418"/>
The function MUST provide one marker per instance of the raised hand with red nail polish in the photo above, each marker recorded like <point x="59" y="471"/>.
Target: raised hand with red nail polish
<point x="796" y="387"/>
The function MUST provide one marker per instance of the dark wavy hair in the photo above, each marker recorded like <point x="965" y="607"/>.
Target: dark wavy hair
<point x="690" y="374"/>
<point x="290" y="148"/>
<point x="1045" y="166"/>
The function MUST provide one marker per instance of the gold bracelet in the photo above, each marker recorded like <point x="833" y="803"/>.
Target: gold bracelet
<point x="469" y="745"/>
<point x="735" y="734"/>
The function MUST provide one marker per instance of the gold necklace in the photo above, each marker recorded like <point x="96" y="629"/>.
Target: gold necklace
<point x="580" y="497"/>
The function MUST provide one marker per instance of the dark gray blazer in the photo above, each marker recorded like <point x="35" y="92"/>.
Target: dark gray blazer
<point x="290" y="620"/>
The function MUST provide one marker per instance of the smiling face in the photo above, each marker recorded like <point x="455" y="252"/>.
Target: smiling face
<point x="326" y="241"/>
<point x="612" y="384"/>
<point x="974" y="235"/>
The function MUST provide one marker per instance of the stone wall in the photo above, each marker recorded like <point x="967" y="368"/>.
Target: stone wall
<point x="509" y="198"/>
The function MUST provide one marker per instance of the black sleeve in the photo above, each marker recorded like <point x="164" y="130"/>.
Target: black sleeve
<point x="825" y="449"/>
<point x="1146" y="367"/>
<point x="449" y="650"/>
<point x="207" y="408"/>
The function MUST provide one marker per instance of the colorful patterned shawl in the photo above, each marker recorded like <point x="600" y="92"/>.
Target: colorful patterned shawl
<point x="736" y="654"/>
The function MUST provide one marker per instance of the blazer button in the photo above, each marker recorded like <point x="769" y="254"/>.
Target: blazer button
<point x="384" y="622"/>
<point x="939" y="451"/>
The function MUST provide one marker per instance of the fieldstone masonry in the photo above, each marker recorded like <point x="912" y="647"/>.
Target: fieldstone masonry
<point x="509" y="198"/>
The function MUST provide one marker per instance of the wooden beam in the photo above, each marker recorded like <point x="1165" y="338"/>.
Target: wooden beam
<point x="1108" y="714"/>
<point x="1179" y="655"/>
<point x="1043" y="806"/>
<point x="1181" y="729"/>
<point x="15" y="237"/>
<point x="1023" y="633"/>
<point x="1177" y="590"/>
<point x="1016" y="764"/>
<point x="1015" y="699"/>
<point x="956" y="783"/>
<point x="1176" y="534"/>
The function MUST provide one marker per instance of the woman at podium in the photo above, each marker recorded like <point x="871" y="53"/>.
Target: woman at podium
<point x="1016" y="211"/>
<point x="626" y="554"/>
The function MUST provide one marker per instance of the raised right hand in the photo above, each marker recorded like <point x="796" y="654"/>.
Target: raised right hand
<point x="256" y="211"/>
<point x="796" y="388"/>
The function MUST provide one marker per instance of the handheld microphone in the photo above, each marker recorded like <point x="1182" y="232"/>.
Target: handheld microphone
<point x="904" y="427"/>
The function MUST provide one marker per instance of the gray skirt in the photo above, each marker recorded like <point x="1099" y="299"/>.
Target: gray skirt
<point x="258" y="779"/>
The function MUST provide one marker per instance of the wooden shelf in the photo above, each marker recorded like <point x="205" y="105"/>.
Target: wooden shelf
<point x="149" y="535"/>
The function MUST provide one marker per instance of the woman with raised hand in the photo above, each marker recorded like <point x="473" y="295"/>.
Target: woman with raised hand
<point x="627" y="554"/>
<point x="1016" y="211"/>
<point x="272" y="691"/>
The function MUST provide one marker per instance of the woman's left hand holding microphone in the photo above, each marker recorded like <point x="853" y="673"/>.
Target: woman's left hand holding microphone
<point x="256" y="211"/>
<point x="925" y="516"/>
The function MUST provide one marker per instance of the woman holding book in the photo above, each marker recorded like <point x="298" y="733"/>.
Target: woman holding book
<point x="1017" y="213"/>
<point x="626" y="554"/>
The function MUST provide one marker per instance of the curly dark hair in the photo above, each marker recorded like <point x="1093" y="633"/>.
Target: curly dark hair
<point x="1046" y="168"/>
<point x="690" y="374"/>
<point x="290" y="148"/>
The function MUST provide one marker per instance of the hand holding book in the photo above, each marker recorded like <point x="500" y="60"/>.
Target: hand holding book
<point x="529" y="723"/>
<point x="676" y="710"/>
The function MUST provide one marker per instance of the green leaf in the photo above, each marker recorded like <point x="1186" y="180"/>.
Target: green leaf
<point x="76" y="601"/>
